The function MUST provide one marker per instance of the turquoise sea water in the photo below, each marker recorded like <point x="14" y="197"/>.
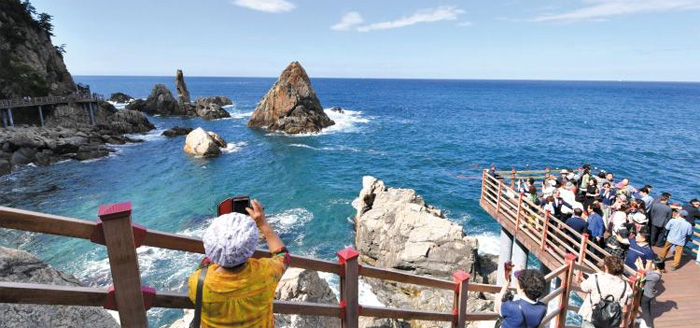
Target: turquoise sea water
<point x="430" y="135"/>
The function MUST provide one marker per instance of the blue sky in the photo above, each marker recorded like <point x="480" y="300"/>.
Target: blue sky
<point x="476" y="39"/>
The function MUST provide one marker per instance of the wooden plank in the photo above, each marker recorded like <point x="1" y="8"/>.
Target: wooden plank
<point x="25" y="293"/>
<point x="555" y="273"/>
<point x="307" y="308"/>
<point x="549" y="318"/>
<point x="17" y="219"/>
<point x="486" y="316"/>
<point x="398" y="276"/>
<point x="549" y="297"/>
<point x="123" y="262"/>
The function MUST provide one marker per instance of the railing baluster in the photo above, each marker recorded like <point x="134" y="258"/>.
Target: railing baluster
<point x="567" y="283"/>
<point x="512" y="178"/>
<point x="498" y="198"/>
<point x="349" y="277"/>
<point x="461" y="279"/>
<point x="519" y="214"/>
<point x="582" y="253"/>
<point x="545" y="230"/>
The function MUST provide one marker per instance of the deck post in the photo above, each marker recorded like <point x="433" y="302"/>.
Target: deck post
<point x="123" y="262"/>
<point x="519" y="255"/>
<point x="483" y="186"/>
<point x="92" y="115"/>
<point x="41" y="115"/>
<point x="512" y="178"/>
<point x="543" y="243"/>
<point x="9" y="115"/>
<point x="350" y="270"/>
<point x="461" y="280"/>
<point x="504" y="255"/>
<point x="567" y="283"/>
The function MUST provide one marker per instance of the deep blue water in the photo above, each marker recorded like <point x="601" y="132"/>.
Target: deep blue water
<point x="430" y="135"/>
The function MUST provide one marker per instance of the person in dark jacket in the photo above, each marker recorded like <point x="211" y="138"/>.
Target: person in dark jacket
<point x="693" y="209"/>
<point x="660" y="215"/>
<point x="525" y="310"/>
<point x="577" y="224"/>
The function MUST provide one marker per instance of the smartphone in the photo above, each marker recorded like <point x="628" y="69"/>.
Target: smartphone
<point x="240" y="203"/>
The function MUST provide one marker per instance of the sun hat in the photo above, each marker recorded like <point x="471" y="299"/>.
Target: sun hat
<point x="231" y="239"/>
<point x="639" y="218"/>
<point x="564" y="171"/>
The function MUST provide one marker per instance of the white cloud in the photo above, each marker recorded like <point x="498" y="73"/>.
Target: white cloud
<point x="349" y="21"/>
<point x="603" y="9"/>
<point x="268" y="6"/>
<point x="465" y="24"/>
<point x="443" y="13"/>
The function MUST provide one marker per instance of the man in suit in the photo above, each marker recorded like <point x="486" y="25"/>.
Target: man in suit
<point x="660" y="215"/>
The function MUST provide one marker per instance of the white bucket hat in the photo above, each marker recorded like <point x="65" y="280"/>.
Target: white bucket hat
<point x="231" y="239"/>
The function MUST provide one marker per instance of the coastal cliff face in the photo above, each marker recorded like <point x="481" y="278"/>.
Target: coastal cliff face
<point x="396" y="229"/>
<point x="291" y="105"/>
<point x="30" y="65"/>
<point x="20" y="266"/>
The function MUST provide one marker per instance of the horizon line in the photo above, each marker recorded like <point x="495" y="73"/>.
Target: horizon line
<point x="408" y="78"/>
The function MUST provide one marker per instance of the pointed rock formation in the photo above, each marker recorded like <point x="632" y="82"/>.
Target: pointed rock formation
<point x="182" y="93"/>
<point x="291" y="105"/>
<point x="161" y="101"/>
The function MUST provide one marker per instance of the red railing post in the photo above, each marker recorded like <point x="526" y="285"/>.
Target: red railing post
<point x="517" y="217"/>
<point x="582" y="254"/>
<point x="512" y="178"/>
<point x="543" y="244"/>
<point x="461" y="280"/>
<point x="498" y="198"/>
<point x="349" y="275"/>
<point x="123" y="262"/>
<point x="567" y="283"/>
<point x="483" y="186"/>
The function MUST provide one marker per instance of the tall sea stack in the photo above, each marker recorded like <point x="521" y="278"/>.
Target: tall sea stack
<point x="182" y="93"/>
<point x="291" y="105"/>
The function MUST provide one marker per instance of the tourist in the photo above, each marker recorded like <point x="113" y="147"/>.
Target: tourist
<point x="585" y="178"/>
<point x="608" y="284"/>
<point x="576" y="223"/>
<point x="532" y="195"/>
<point x="618" y="243"/>
<point x="654" y="271"/>
<point x="660" y="214"/>
<point x="591" y="192"/>
<point x="607" y="198"/>
<point x="525" y="185"/>
<point x="626" y="188"/>
<point x="639" y="249"/>
<point x="679" y="231"/>
<point x="693" y="210"/>
<point x="238" y="290"/>
<point x="602" y="179"/>
<point x="596" y="226"/>
<point x="566" y="193"/>
<point x="643" y="194"/>
<point x="525" y="310"/>
<point x="639" y="221"/>
<point x="619" y="218"/>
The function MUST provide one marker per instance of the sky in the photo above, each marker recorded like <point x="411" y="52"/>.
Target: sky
<point x="647" y="40"/>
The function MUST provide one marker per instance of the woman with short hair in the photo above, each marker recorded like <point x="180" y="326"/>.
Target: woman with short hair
<point x="610" y="284"/>
<point x="524" y="310"/>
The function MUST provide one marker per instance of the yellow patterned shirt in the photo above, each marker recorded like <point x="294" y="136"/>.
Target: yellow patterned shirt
<point x="240" y="299"/>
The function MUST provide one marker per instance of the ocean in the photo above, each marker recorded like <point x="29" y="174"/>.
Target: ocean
<point x="434" y="136"/>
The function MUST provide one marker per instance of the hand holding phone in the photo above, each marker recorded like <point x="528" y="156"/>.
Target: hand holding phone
<point x="257" y="212"/>
<point x="507" y="270"/>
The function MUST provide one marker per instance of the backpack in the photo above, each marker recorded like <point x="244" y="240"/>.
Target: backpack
<point x="608" y="312"/>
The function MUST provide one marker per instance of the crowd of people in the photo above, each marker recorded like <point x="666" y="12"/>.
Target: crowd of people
<point x="624" y="221"/>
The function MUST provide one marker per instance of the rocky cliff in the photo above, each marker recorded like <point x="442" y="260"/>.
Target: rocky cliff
<point x="20" y="266"/>
<point x="396" y="229"/>
<point x="291" y="105"/>
<point x="30" y="65"/>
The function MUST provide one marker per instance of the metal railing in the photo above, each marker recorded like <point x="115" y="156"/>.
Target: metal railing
<point x="49" y="100"/>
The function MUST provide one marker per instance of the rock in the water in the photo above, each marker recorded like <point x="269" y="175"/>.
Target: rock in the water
<point x="20" y="266"/>
<point x="119" y="97"/>
<point x="304" y="286"/>
<point x="182" y="94"/>
<point x="219" y="100"/>
<point x="86" y="152"/>
<point x="160" y="101"/>
<point x="203" y="143"/>
<point x="176" y="131"/>
<point x="5" y="167"/>
<point x="23" y="156"/>
<point x="128" y="121"/>
<point x="396" y="229"/>
<point x="337" y="110"/>
<point x="291" y="105"/>
<point x="212" y="107"/>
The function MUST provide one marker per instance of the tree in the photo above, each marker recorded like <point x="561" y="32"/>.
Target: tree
<point x="45" y="23"/>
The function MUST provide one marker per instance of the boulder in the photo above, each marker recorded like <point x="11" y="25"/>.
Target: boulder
<point x="86" y="152"/>
<point x="337" y="110"/>
<point x="176" y="131"/>
<point x="119" y="97"/>
<point x="396" y="229"/>
<point x="220" y="142"/>
<point x="20" y="266"/>
<point x="212" y="107"/>
<point x="301" y="285"/>
<point x="160" y="101"/>
<point x="291" y="105"/>
<point x="182" y="94"/>
<point x="219" y="100"/>
<point x="202" y="143"/>
<point x="127" y="121"/>
<point x="23" y="156"/>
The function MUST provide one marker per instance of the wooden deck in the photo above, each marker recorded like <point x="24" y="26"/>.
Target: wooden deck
<point x="678" y="301"/>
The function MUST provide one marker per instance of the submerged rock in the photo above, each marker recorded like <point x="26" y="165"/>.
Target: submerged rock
<point x="20" y="266"/>
<point x="119" y="97"/>
<point x="291" y="105"/>
<point x="396" y="229"/>
<point x="176" y="131"/>
<point x="203" y="143"/>
<point x="337" y="110"/>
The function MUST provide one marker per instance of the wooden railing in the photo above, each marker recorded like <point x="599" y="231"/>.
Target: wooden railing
<point x="48" y="100"/>
<point x="116" y="231"/>
<point x="551" y="240"/>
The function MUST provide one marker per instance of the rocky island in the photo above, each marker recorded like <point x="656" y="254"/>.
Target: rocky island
<point x="291" y="105"/>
